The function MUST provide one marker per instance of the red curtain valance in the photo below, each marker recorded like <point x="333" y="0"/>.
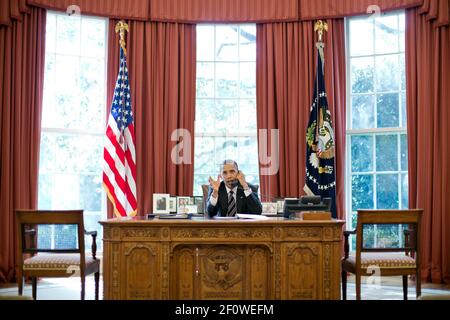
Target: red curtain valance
<point x="118" y="9"/>
<point x="436" y="11"/>
<point x="319" y="9"/>
<point x="12" y="9"/>
<point x="224" y="10"/>
<point x="195" y="11"/>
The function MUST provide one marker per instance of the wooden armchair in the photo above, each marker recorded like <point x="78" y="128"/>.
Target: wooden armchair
<point x="53" y="262"/>
<point x="402" y="261"/>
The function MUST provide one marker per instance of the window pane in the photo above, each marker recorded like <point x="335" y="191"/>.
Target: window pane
<point x="388" y="236"/>
<point x="402" y="68"/>
<point x="226" y="116"/>
<point x="362" y="192"/>
<point x="45" y="195"/>
<point x="74" y="98"/>
<point x="205" y="79"/>
<point x="66" y="236"/>
<point x="248" y="148"/>
<point x="90" y="192"/>
<point x="204" y="156"/>
<point x="92" y="43"/>
<point x="361" y="37"/>
<point x="387" y="73"/>
<point x="404" y="115"/>
<point x="377" y="111"/>
<point x="247" y="115"/>
<point x="247" y="85"/>
<point x="387" y="110"/>
<point x="386" y="34"/>
<point x="247" y="43"/>
<point x="387" y="191"/>
<point x="404" y="152"/>
<point x="205" y="43"/>
<point x="47" y="153"/>
<point x="50" y="34"/>
<point x="368" y="240"/>
<point x="204" y="116"/>
<point x="226" y="43"/>
<point x="363" y="111"/>
<point x="226" y="80"/>
<point x="68" y="36"/>
<point x="226" y="148"/>
<point x="362" y="153"/>
<point x="362" y="75"/>
<point x="226" y="121"/>
<point x="386" y="150"/>
<point x="405" y="203"/>
<point x="401" y="27"/>
<point x="199" y="180"/>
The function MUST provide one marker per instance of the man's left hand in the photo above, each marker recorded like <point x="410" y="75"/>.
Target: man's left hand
<point x="241" y="177"/>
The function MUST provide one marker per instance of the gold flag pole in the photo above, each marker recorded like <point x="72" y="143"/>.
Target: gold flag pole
<point x="320" y="27"/>
<point x="121" y="27"/>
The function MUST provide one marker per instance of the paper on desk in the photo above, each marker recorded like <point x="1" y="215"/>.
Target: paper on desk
<point x="252" y="216"/>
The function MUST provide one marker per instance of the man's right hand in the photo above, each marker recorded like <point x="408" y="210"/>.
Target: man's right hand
<point x="215" y="184"/>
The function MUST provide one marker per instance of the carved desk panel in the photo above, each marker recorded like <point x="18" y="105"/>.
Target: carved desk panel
<point x="211" y="259"/>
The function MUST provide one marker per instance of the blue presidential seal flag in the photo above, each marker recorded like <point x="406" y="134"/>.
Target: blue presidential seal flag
<point x="320" y="144"/>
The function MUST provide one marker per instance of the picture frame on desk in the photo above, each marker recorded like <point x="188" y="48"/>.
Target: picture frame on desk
<point x="161" y="203"/>
<point x="269" y="208"/>
<point x="182" y="202"/>
<point x="280" y="204"/>
<point x="198" y="201"/>
<point x="173" y="204"/>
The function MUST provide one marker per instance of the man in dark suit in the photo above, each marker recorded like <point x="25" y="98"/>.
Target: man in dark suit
<point x="233" y="194"/>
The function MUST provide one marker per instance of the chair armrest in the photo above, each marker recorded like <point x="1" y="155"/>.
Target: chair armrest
<point x="347" y="233"/>
<point x="93" y="233"/>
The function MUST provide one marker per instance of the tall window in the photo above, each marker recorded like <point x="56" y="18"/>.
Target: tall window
<point x="73" y="122"/>
<point x="377" y="166"/>
<point x="225" y="122"/>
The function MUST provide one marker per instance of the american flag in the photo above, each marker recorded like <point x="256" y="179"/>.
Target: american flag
<point x="119" y="168"/>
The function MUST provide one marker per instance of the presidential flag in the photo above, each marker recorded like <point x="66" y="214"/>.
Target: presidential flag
<point x="119" y="168"/>
<point x="320" y="169"/>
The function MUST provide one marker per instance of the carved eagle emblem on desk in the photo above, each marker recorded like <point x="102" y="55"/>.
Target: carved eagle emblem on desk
<point x="223" y="269"/>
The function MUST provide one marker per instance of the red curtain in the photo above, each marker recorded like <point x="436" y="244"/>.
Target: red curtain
<point x="196" y="11"/>
<point x="428" y="112"/>
<point x="286" y="67"/>
<point x="320" y="9"/>
<point x="224" y="10"/>
<point x="161" y="61"/>
<point x="21" y="89"/>
<point x="120" y="9"/>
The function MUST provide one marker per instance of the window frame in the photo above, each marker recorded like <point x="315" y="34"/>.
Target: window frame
<point x="251" y="134"/>
<point x="373" y="132"/>
<point x="80" y="132"/>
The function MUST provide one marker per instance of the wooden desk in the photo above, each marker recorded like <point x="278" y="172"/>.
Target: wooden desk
<point x="212" y="259"/>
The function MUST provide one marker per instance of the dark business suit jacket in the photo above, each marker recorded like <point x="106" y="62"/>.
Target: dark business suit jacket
<point x="250" y="204"/>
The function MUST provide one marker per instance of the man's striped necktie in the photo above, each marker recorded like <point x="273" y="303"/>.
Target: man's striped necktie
<point x="231" y="205"/>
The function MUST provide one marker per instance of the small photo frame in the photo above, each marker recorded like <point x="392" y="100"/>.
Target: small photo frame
<point x="198" y="201"/>
<point x="190" y="208"/>
<point x="182" y="202"/>
<point x="269" y="208"/>
<point x="280" y="206"/>
<point x="173" y="204"/>
<point x="161" y="203"/>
